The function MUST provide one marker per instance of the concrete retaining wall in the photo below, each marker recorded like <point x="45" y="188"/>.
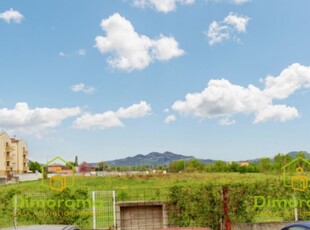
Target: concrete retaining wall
<point x="28" y="177"/>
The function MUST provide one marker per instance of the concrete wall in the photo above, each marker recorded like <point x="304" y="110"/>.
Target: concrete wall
<point x="28" y="177"/>
<point x="260" y="226"/>
<point x="146" y="215"/>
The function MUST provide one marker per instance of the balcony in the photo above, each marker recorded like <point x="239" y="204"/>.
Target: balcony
<point x="25" y="160"/>
<point x="25" y="152"/>
<point x="25" y="169"/>
<point x="8" y="168"/>
<point x="8" y="148"/>
<point x="9" y="158"/>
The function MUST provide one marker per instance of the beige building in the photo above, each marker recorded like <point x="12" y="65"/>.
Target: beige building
<point x="13" y="156"/>
<point x="244" y="163"/>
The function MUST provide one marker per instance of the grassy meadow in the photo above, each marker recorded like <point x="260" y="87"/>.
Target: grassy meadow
<point x="196" y="188"/>
<point x="98" y="183"/>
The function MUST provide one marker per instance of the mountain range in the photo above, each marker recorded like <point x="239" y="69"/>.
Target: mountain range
<point x="157" y="159"/>
<point x="153" y="159"/>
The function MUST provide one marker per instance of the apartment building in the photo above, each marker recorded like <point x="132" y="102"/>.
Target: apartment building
<point x="13" y="156"/>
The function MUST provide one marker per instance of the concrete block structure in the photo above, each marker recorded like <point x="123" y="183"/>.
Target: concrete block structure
<point x="146" y="215"/>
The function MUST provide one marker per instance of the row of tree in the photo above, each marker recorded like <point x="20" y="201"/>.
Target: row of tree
<point x="263" y="165"/>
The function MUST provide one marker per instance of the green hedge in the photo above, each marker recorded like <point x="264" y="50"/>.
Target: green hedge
<point x="202" y="205"/>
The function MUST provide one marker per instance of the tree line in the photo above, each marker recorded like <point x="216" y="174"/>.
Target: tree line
<point x="262" y="165"/>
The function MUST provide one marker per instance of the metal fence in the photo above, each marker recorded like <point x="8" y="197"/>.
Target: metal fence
<point x="115" y="209"/>
<point x="103" y="216"/>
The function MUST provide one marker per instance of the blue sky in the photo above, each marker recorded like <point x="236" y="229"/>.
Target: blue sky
<point x="219" y="79"/>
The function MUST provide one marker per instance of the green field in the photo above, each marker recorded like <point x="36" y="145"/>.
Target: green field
<point x="147" y="181"/>
<point x="184" y="190"/>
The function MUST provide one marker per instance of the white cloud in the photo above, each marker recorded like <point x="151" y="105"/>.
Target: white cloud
<point x="166" y="110"/>
<point x="239" y="23"/>
<point x="82" y="52"/>
<point x="221" y="99"/>
<point x="164" y="6"/>
<point x="34" y="121"/>
<point x="169" y="119"/>
<point x="11" y="16"/>
<point x="239" y="2"/>
<point x="236" y="2"/>
<point x="130" y="50"/>
<point x="81" y="87"/>
<point x="227" y="29"/>
<point x="79" y="52"/>
<point x="165" y="48"/>
<point x="276" y="112"/>
<point x="227" y="121"/>
<point x="290" y="79"/>
<point x="134" y="111"/>
<point x="110" y="118"/>
<point x="98" y="121"/>
<point x="217" y="33"/>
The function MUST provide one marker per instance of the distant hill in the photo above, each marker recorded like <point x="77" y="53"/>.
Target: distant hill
<point x="152" y="159"/>
<point x="293" y="154"/>
<point x="158" y="159"/>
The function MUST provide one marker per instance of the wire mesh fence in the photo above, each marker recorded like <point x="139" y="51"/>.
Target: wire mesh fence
<point x="104" y="215"/>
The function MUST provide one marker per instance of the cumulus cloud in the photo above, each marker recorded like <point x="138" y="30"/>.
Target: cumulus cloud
<point x="81" y="87"/>
<point x="34" y="121"/>
<point x="164" y="6"/>
<point x="98" y="121"/>
<point x="111" y="118"/>
<point x="236" y="2"/>
<point x="130" y="50"/>
<point x="134" y="111"/>
<point x="290" y="79"/>
<point x="276" y="112"/>
<point x="222" y="99"/>
<point x="11" y="16"/>
<point x="227" y="29"/>
<point x="169" y="119"/>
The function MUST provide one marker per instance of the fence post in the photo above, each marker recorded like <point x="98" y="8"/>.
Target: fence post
<point x="94" y="209"/>
<point x="114" y="208"/>
<point x="15" y="211"/>
<point x="296" y="209"/>
<point x="225" y="208"/>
